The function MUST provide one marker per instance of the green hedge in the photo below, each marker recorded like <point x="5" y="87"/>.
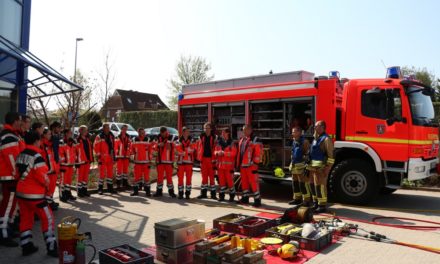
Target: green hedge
<point x="437" y="109"/>
<point x="149" y="118"/>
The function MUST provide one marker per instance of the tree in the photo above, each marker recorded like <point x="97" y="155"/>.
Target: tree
<point x="107" y="76"/>
<point x="189" y="70"/>
<point x="72" y="106"/>
<point x="424" y="76"/>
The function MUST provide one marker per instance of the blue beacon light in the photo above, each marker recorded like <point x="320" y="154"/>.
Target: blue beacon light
<point x="394" y="72"/>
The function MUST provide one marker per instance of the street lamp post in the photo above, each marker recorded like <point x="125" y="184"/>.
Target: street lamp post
<point x="76" y="53"/>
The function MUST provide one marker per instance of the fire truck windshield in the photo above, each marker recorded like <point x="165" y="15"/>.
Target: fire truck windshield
<point x="422" y="110"/>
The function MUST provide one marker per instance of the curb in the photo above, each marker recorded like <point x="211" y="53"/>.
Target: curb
<point x="428" y="189"/>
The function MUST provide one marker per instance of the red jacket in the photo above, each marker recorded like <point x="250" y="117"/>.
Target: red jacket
<point x="122" y="147"/>
<point x="84" y="152"/>
<point x="67" y="153"/>
<point x="165" y="149"/>
<point x="225" y="154"/>
<point x="142" y="150"/>
<point x="104" y="147"/>
<point x="249" y="152"/>
<point x="32" y="174"/>
<point x="186" y="150"/>
<point x="47" y="153"/>
<point x="10" y="146"/>
<point x="201" y="146"/>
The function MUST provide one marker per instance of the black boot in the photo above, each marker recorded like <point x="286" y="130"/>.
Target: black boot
<point x="8" y="242"/>
<point x="53" y="252"/>
<point x="187" y="194"/>
<point x="213" y="195"/>
<point x="171" y="193"/>
<point x="295" y="202"/>
<point x="28" y="249"/>
<point x="231" y="197"/>
<point x="100" y="189"/>
<point x="321" y="209"/>
<point x="80" y="192"/>
<point x="203" y="194"/>
<point x="158" y="193"/>
<point x="118" y="185"/>
<point x="125" y="184"/>
<point x="110" y="189"/>
<point x="135" y="191"/>
<point x="306" y="204"/>
<point x="180" y="194"/>
<point x="147" y="189"/>
<point x="70" y="197"/>
<point x="314" y="205"/>
<point x="53" y="206"/>
<point x="244" y="200"/>
<point x="221" y="197"/>
<point x="85" y="192"/>
<point x="257" y="202"/>
<point x="64" y="197"/>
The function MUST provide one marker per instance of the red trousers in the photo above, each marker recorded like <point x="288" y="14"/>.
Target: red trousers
<point x="207" y="173"/>
<point x="28" y="208"/>
<point x="122" y="168"/>
<point x="7" y="206"/>
<point x="162" y="170"/>
<point x="225" y="178"/>
<point x="83" y="175"/>
<point x="52" y="185"/>
<point x="142" y="171"/>
<point x="66" y="176"/>
<point x="105" y="173"/>
<point x="184" y="169"/>
<point x="249" y="179"/>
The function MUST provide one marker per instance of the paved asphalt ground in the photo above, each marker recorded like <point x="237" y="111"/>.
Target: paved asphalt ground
<point x="120" y="219"/>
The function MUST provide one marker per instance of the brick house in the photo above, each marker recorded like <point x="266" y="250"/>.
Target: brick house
<point x="128" y="101"/>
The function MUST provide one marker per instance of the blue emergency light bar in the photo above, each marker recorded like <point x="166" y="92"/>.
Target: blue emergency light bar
<point x="394" y="72"/>
<point x="180" y="96"/>
<point x="333" y="74"/>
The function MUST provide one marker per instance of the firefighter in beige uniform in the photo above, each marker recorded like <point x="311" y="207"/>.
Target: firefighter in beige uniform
<point x="321" y="161"/>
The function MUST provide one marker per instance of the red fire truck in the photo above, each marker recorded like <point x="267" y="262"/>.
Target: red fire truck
<point x="384" y="130"/>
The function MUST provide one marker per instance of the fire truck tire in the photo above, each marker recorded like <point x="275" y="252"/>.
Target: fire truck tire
<point x="387" y="191"/>
<point x="353" y="181"/>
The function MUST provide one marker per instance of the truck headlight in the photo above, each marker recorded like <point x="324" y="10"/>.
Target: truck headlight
<point x="419" y="169"/>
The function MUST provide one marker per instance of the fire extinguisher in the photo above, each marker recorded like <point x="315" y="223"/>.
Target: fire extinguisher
<point x="71" y="245"/>
<point x="67" y="239"/>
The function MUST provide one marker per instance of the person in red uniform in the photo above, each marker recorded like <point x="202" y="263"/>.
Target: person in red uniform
<point x="32" y="185"/>
<point x="122" y="152"/>
<point x="165" y="150"/>
<point x="185" y="149"/>
<point x="10" y="146"/>
<point x="248" y="158"/>
<point x="47" y="153"/>
<point x="67" y="165"/>
<point x="103" y="146"/>
<point x="205" y="154"/>
<point x="84" y="157"/>
<point x="141" y="155"/>
<point x="226" y="152"/>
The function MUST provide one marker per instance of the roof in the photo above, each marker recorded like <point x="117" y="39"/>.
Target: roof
<point x="136" y="101"/>
<point x="43" y="76"/>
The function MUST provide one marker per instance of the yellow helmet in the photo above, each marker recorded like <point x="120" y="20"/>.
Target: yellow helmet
<point x="279" y="172"/>
<point x="288" y="250"/>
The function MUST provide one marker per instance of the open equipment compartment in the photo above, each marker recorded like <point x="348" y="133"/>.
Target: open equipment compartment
<point x="229" y="115"/>
<point x="193" y="117"/>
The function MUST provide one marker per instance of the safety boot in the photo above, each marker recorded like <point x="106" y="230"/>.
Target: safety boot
<point x="100" y="189"/>
<point x="158" y="193"/>
<point x="180" y="194"/>
<point x="70" y="197"/>
<point x="64" y="197"/>
<point x="257" y="202"/>
<point x="110" y="189"/>
<point x="171" y="193"/>
<point x="203" y="194"/>
<point x="231" y="197"/>
<point x="135" y="191"/>
<point x="187" y="194"/>
<point x="28" y="249"/>
<point x="244" y="200"/>
<point x="213" y="195"/>
<point x="221" y="197"/>
<point x="147" y="189"/>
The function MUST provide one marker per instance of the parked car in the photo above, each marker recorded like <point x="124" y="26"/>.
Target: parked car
<point x="154" y="132"/>
<point x="115" y="128"/>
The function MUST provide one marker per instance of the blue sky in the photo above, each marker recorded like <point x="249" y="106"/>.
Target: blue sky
<point x="238" y="38"/>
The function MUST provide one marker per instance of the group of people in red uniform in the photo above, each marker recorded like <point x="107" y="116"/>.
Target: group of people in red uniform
<point x="33" y="159"/>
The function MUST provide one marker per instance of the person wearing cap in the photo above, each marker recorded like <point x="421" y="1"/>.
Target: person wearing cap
<point x="321" y="162"/>
<point x="84" y="157"/>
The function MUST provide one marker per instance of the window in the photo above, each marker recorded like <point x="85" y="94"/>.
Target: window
<point x="114" y="127"/>
<point x="381" y="103"/>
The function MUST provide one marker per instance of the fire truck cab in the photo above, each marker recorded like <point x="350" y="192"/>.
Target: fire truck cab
<point x="384" y="130"/>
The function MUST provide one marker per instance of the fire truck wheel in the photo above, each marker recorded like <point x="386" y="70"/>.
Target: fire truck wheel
<point x="353" y="181"/>
<point x="387" y="191"/>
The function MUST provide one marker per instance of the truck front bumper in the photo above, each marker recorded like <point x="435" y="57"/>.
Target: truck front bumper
<point x="420" y="169"/>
